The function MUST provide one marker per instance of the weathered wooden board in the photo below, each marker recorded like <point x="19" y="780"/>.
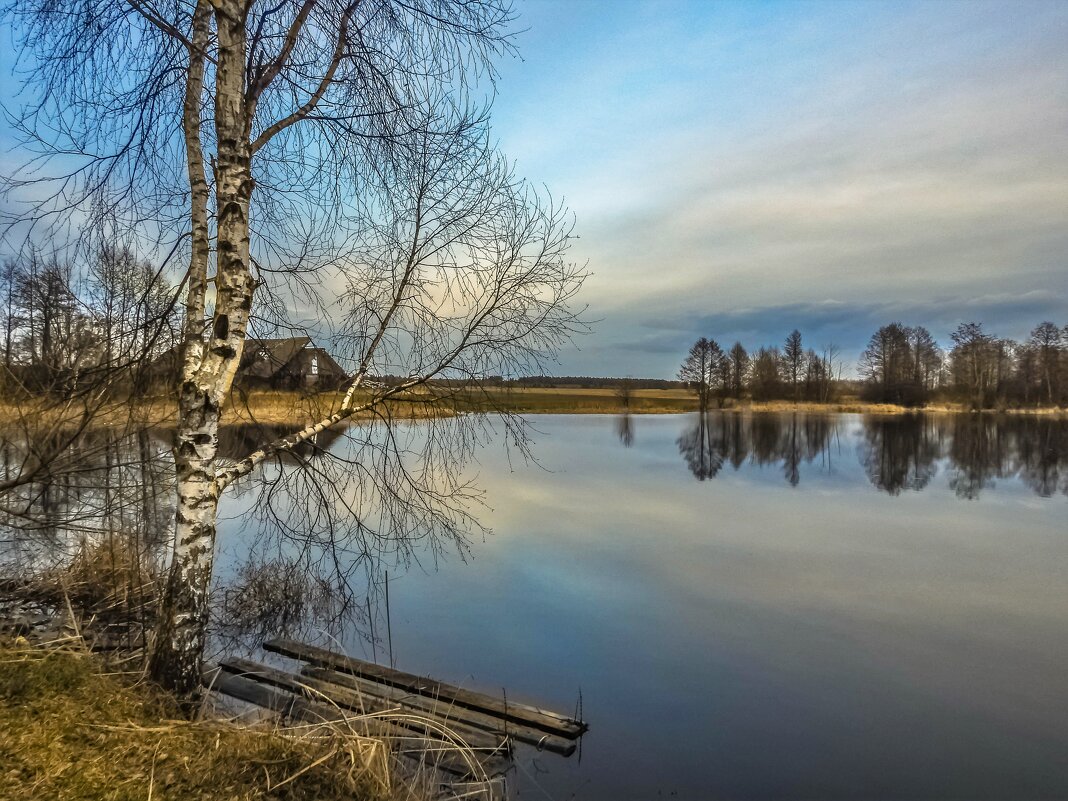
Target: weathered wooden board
<point x="404" y="742"/>
<point x="329" y="694"/>
<point x="523" y="714"/>
<point x="444" y="710"/>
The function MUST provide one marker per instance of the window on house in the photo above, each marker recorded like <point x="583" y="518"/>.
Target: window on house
<point x="315" y="365"/>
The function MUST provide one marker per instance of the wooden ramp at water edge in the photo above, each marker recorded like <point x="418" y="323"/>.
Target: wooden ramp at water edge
<point x="467" y="736"/>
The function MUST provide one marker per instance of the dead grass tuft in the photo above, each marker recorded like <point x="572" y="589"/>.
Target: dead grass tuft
<point x="108" y="575"/>
<point x="75" y="732"/>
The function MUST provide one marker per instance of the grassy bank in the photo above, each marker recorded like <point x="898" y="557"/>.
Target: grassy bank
<point x="568" y="400"/>
<point x="294" y="409"/>
<point x="72" y="730"/>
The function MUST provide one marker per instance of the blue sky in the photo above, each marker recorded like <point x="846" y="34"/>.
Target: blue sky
<point x="739" y="169"/>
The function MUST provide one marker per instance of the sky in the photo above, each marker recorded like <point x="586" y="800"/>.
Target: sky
<point x="741" y="169"/>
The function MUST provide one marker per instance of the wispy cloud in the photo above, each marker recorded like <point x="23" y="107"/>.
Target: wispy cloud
<point x="830" y="167"/>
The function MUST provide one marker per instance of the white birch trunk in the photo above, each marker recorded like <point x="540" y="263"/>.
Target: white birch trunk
<point x="210" y="359"/>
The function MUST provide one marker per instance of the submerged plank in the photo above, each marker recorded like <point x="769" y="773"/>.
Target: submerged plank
<point x="444" y="710"/>
<point x="404" y="742"/>
<point x="330" y="694"/>
<point x="534" y="717"/>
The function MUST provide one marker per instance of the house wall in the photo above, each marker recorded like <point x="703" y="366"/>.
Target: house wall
<point x="299" y="373"/>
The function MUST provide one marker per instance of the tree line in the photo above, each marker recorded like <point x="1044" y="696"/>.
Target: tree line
<point x="770" y="373"/>
<point x="905" y="365"/>
<point x="901" y="364"/>
<point x="66" y="327"/>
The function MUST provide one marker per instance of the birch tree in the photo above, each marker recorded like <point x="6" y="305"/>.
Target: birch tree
<point x="300" y="161"/>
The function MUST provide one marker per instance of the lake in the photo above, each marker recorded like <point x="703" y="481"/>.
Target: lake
<point x="769" y="606"/>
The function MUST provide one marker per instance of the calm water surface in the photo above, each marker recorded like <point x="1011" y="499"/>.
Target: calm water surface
<point x="769" y="607"/>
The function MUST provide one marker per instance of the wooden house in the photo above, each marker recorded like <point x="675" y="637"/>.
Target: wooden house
<point x="293" y="363"/>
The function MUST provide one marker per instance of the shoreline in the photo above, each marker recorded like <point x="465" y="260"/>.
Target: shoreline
<point x="294" y="409"/>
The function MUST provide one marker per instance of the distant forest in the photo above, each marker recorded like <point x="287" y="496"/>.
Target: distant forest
<point x="902" y="365"/>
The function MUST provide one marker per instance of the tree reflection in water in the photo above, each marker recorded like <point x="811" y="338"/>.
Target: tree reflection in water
<point x="713" y="440"/>
<point x="317" y="529"/>
<point x="897" y="453"/>
<point x="318" y="533"/>
<point x="901" y="453"/>
<point x="123" y="487"/>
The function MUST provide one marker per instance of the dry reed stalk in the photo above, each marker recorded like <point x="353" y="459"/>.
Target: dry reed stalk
<point x="77" y="732"/>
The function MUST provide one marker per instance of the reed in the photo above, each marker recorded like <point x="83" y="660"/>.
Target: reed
<point x="75" y="728"/>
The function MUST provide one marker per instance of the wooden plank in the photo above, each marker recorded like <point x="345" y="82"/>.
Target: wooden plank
<point x="542" y="719"/>
<point x="404" y="742"/>
<point x="326" y="693"/>
<point x="444" y="710"/>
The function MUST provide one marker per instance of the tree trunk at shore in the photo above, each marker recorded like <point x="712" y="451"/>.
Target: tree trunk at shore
<point x="209" y="359"/>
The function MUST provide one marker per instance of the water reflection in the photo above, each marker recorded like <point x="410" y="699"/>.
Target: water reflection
<point x="897" y="453"/>
<point x="122" y="485"/>
<point x="925" y="636"/>
<point x="236" y="442"/>
<point x="713" y="440"/>
<point x="277" y="596"/>
<point x="901" y="453"/>
<point x="110" y="482"/>
<point x="118" y="498"/>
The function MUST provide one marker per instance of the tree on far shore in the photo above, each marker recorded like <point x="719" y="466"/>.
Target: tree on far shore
<point x="701" y="370"/>
<point x="793" y="358"/>
<point x="739" y="360"/>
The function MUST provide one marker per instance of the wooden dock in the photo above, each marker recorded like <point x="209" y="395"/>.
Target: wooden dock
<point x="464" y="734"/>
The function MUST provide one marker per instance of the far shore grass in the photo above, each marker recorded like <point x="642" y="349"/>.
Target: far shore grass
<point x="569" y="400"/>
<point x="280" y="408"/>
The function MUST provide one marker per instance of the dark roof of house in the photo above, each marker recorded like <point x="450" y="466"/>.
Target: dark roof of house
<point x="262" y="358"/>
<point x="265" y="357"/>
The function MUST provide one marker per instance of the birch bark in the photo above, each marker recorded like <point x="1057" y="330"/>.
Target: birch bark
<point x="209" y="358"/>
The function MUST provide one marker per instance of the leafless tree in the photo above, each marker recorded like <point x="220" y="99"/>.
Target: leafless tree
<point x="315" y="163"/>
<point x="702" y="370"/>
<point x="793" y="355"/>
<point x="765" y="374"/>
<point x="975" y="360"/>
<point x="901" y="365"/>
<point x="739" y="369"/>
<point x="1046" y="339"/>
<point x="831" y="371"/>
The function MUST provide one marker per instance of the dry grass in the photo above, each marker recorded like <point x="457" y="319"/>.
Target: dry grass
<point x="105" y="581"/>
<point x="72" y="731"/>
<point x="272" y="407"/>
<point x="108" y="575"/>
<point x="269" y="407"/>
<point x="811" y="407"/>
<point x="573" y="400"/>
